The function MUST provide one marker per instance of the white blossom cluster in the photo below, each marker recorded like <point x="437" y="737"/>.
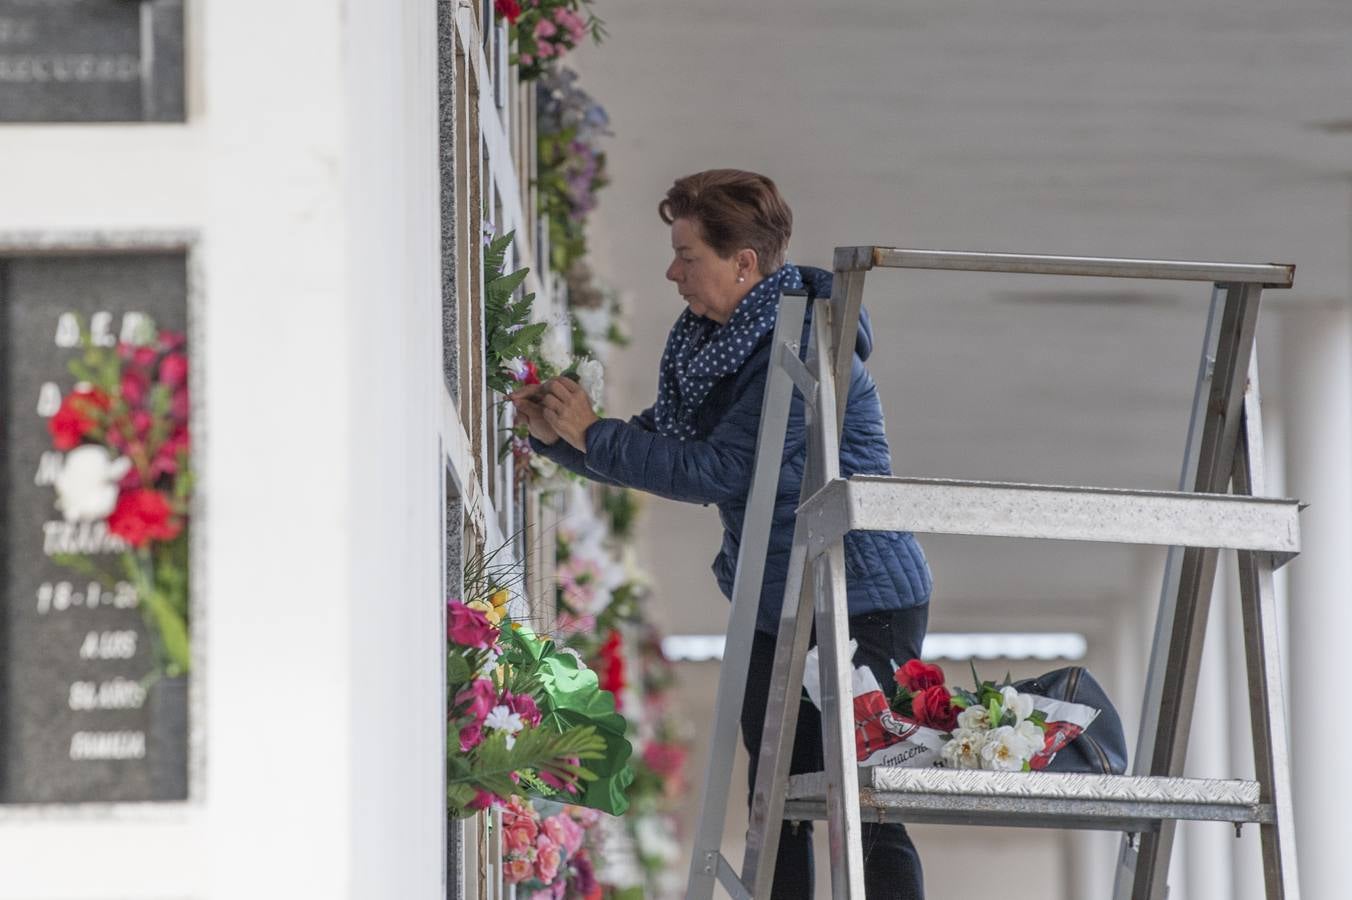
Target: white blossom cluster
<point x="1004" y="748"/>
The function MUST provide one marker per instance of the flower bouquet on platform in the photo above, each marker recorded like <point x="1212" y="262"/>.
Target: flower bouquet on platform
<point x="924" y="723"/>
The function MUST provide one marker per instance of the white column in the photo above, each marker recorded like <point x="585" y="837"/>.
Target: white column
<point x="1208" y="844"/>
<point x="1317" y="407"/>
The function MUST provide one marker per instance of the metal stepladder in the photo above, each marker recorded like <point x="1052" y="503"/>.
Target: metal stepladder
<point x="1220" y="504"/>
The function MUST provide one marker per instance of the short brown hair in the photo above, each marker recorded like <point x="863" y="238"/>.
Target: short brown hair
<point x="734" y="210"/>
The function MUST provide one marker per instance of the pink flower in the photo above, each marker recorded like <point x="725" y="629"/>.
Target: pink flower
<point x="144" y="357"/>
<point x="134" y="387"/>
<point x="174" y="370"/>
<point x="557" y="784"/>
<point x="527" y="59"/>
<point x="567" y="623"/>
<point x="565" y="832"/>
<point x="482" y="799"/>
<point x="477" y="700"/>
<point x="469" y="627"/>
<point x="517" y="869"/>
<point x="178" y="405"/>
<point x="547" y="859"/>
<point x="572" y="22"/>
<point x="524" y="706"/>
<point x="545" y="29"/>
<point x="519" y="830"/>
<point x="172" y="340"/>
<point x="545" y="50"/>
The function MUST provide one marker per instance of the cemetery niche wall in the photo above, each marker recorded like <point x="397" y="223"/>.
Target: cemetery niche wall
<point x="89" y="712"/>
<point x="91" y="61"/>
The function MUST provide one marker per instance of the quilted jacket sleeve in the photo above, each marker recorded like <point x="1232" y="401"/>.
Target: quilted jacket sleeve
<point x="711" y="470"/>
<point x="574" y="460"/>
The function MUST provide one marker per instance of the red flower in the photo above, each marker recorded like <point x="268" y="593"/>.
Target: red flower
<point x="666" y="760"/>
<point x="508" y="9"/>
<point x="611" y="669"/>
<point x="532" y="375"/>
<point x="174" y="370"/>
<point x="76" y="417"/>
<point x="172" y="340"/>
<point x="134" y="387"/>
<point x="143" y="515"/>
<point x="915" y="675"/>
<point x="934" y="708"/>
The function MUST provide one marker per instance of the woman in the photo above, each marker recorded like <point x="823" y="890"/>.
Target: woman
<point x="729" y="231"/>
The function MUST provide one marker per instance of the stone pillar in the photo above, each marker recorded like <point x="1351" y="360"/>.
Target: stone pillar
<point x="1316" y="401"/>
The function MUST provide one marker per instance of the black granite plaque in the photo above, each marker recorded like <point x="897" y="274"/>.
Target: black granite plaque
<point x="81" y="716"/>
<point x="91" y="61"/>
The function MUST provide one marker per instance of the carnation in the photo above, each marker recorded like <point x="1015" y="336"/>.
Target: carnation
<point x="87" y="488"/>
<point x="591" y="375"/>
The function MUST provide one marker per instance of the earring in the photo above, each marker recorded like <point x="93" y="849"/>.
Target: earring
<point x="741" y="278"/>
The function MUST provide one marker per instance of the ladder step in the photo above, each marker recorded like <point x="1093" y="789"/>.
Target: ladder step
<point x="1034" y="799"/>
<point x="943" y="506"/>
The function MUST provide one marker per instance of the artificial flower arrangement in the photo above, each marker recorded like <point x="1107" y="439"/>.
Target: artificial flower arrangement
<point x="510" y="686"/>
<point x="124" y="432"/>
<point x="544" y="852"/>
<point x="993" y="726"/>
<point x="572" y="167"/>
<point x="520" y="352"/>
<point x="544" y="30"/>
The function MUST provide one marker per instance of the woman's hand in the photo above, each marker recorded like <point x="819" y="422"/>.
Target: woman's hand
<point x="528" y="408"/>
<point x="568" y="410"/>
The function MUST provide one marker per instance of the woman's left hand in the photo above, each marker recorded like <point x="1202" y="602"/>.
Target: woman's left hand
<point x="568" y="409"/>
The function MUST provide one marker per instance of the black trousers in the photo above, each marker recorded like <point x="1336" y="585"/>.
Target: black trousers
<point x="891" y="864"/>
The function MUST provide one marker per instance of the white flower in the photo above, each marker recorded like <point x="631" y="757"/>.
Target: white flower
<point x="974" y="718"/>
<point x="1033" y="733"/>
<point x="591" y="375"/>
<point x="655" y="839"/>
<point x="490" y="663"/>
<point x="1005" y="750"/>
<point x="503" y="719"/>
<point x="963" y="751"/>
<point x="516" y="366"/>
<point x="555" y="349"/>
<point x="1021" y="705"/>
<point x="86" y="489"/>
<point x="543" y="467"/>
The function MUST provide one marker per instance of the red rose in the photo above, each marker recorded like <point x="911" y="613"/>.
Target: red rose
<point x="76" y="417"/>
<point x="508" y="9"/>
<point x="915" y="675"/>
<point x="143" y="515"/>
<point x="934" y="708"/>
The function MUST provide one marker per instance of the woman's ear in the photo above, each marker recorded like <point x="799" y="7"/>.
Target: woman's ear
<point x="748" y="264"/>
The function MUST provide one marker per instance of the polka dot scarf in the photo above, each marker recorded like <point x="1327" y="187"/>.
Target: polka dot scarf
<point x="700" y="352"/>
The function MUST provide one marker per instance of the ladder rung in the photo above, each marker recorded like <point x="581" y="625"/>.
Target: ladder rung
<point x="1034" y="799"/>
<point x="863" y="258"/>
<point x="942" y="506"/>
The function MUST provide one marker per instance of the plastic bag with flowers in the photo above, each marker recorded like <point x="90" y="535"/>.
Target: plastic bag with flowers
<point x="993" y="727"/>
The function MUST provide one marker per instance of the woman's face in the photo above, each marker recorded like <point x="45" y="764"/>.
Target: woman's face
<point x="707" y="282"/>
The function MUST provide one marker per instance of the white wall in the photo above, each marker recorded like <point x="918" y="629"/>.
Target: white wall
<point x="308" y="168"/>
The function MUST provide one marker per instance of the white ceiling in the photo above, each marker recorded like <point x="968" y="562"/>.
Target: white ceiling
<point x="1209" y="129"/>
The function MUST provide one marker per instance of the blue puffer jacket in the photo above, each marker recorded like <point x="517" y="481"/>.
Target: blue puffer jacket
<point x="884" y="570"/>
